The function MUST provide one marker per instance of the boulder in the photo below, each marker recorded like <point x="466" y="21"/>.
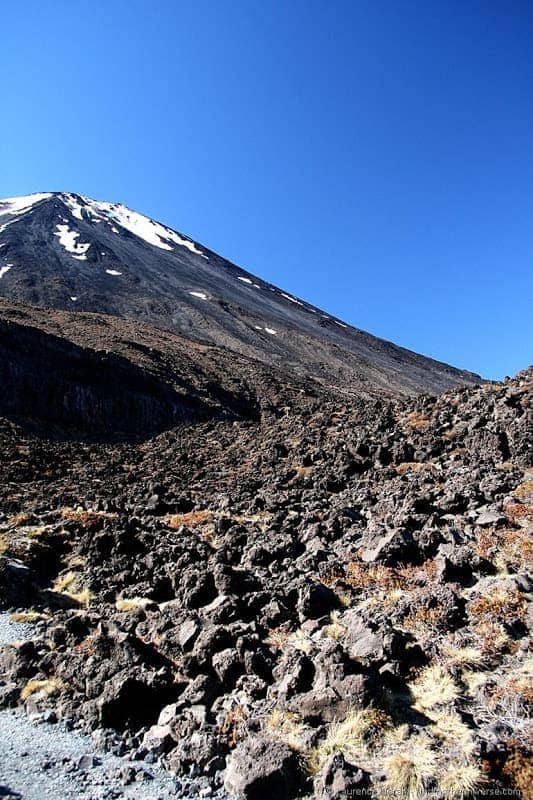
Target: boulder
<point x="338" y="779"/>
<point x="261" y="768"/>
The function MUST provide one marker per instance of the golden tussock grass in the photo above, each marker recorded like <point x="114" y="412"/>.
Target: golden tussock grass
<point x="415" y="466"/>
<point x="28" y="617"/>
<point x="411" y="772"/>
<point x="467" y="657"/>
<point x="132" y="603"/>
<point x="189" y="520"/>
<point x="524" y="491"/>
<point x="434" y="687"/>
<point x="417" y="421"/>
<point x="361" y="575"/>
<point x="234" y="725"/>
<point x="518" y="770"/>
<point x="68" y="585"/>
<point x="46" y="687"/>
<point x="335" y="630"/>
<point x="519" y="513"/>
<point x="277" y="637"/>
<point x="193" y="519"/>
<point x="286" y="726"/>
<point x="21" y="518"/>
<point x="461" y="780"/>
<point x="353" y="737"/>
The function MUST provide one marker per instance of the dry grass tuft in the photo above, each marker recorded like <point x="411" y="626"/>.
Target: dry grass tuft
<point x="450" y="728"/>
<point x="519" y="513"/>
<point x="524" y="491"/>
<point x="285" y="725"/>
<point x="509" y="549"/>
<point x="132" y="603"/>
<point x="65" y="582"/>
<point x="21" y="518"/>
<point x="417" y="421"/>
<point x="415" y="466"/>
<point x="411" y="772"/>
<point x="27" y="617"/>
<point x="518" y="770"/>
<point x="46" y="688"/>
<point x="335" y="630"/>
<point x="68" y="585"/>
<point x="493" y="637"/>
<point x="234" y="725"/>
<point x="467" y="657"/>
<point x="500" y="604"/>
<point x="353" y="737"/>
<point x="433" y="687"/>
<point x="277" y="637"/>
<point x="460" y="781"/>
<point x="300" y="640"/>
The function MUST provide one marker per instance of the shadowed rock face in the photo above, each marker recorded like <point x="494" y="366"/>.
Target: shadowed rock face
<point x="89" y="374"/>
<point x="50" y="379"/>
<point x="68" y="252"/>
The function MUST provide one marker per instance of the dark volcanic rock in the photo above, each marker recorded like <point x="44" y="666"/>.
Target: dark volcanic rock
<point x="260" y="769"/>
<point x="217" y="591"/>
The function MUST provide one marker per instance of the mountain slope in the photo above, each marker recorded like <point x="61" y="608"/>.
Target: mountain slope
<point x="69" y="252"/>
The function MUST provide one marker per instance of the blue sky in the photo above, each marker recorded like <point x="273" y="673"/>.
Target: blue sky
<point x="374" y="158"/>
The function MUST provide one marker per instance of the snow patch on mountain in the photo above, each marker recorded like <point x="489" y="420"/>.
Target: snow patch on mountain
<point x="292" y="299"/>
<point x="113" y="272"/>
<point x="67" y="239"/>
<point x="152" y="232"/>
<point x="4" y="270"/>
<point x="201" y="295"/>
<point x="73" y="203"/>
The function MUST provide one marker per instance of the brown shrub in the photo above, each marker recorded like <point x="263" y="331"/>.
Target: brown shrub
<point x="233" y="727"/>
<point x="22" y="518"/>
<point x="524" y="491"/>
<point x="500" y="605"/>
<point x="517" y="512"/>
<point x="190" y="520"/>
<point x="507" y="548"/>
<point x="363" y="576"/>
<point x="414" y="466"/>
<point x="90" y="520"/>
<point x="518" y="770"/>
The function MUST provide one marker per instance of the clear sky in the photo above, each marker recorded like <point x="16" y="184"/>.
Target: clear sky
<point x="374" y="157"/>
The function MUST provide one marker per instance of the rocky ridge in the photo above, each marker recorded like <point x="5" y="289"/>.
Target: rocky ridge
<point x="331" y="596"/>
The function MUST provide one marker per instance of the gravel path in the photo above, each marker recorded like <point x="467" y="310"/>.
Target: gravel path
<point x="12" y="631"/>
<point x="45" y="761"/>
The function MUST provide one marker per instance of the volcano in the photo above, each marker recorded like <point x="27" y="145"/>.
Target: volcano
<point x="68" y="252"/>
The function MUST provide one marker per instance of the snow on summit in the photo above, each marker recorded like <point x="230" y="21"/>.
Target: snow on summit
<point x="152" y="232"/>
<point x="18" y="205"/>
<point x="114" y="214"/>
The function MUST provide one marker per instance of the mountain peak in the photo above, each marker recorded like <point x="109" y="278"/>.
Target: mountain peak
<point x="95" y="211"/>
